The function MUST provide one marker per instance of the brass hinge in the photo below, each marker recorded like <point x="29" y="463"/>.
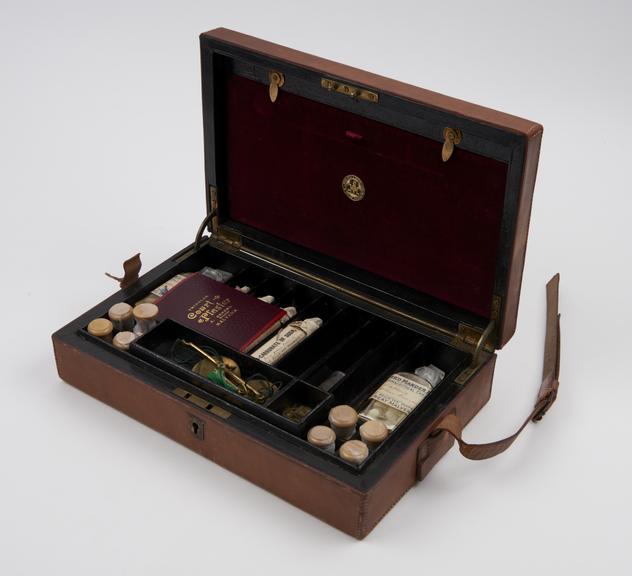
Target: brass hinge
<point x="477" y="343"/>
<point x="220" y="234"/>
<point x="496" y="307"/>
<point x="475" y="340"/>
<point x="467" y="337"/>
<point x="230" y="237"/>
<point x="214" y="220"/>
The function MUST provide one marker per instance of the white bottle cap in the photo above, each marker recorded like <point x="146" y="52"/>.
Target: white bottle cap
<point x="430" y="374"/>
<point x="290" y="312"/>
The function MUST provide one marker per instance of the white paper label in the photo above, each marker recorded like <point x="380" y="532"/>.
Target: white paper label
<point x="289" y="337"/>
<point x="402" y="393"/>
<point x="168" y="285"/>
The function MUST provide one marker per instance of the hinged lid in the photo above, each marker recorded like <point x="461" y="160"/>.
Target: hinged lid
<point x="418" y="201"/>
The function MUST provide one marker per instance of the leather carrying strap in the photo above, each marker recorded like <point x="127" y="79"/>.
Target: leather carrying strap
<point x="546" y="396"/>
<point x="131" y="268"/>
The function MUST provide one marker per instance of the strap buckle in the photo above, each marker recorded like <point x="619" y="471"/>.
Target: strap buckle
<point x="545" y="403"/>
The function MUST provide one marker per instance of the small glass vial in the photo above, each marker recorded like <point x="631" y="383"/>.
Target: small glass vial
<point x="343" y="420"/>
<point x="145" y="315"/>
<point x="290" y="312"/>
<point x="354" y="452"/>
<point x="328" y="383"/>
<point x="322" y="437"/>
<point x="123" y="339"/>
<point x="400" y="394"/>
<point x="101" y="328"/>
<point x="217" y="274"/>
<point x="121" y="317"/>
<point x="373" y="433"/>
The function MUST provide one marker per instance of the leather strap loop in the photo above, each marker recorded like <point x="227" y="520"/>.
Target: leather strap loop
<point x="131" y="267"/>
<point x="546" y="396"/>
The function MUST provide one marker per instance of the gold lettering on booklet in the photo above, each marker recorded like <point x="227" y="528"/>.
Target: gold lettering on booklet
<point x="214" y="310"/>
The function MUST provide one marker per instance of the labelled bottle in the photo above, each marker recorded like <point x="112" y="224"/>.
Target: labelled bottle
<point x="400" y="394"/>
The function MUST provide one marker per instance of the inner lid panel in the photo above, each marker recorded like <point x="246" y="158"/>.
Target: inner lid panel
<point x="429" y="225"/>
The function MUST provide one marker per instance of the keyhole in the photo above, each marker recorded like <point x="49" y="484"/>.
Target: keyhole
<point x="197" y="428"/>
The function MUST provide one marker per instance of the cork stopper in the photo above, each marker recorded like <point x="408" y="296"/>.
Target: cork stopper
<point x="145" y="311"/>
<point x="100" y="327"/>
<point x="343" y="416"/>
<point x="120" y="312"/>
<point x="354" y="451"/>
<point x="123" y="339"/>
<point x="373" y="433"/>
<point x="321" y="436"/>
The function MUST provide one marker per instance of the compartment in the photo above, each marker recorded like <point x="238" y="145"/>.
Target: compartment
<point x="157" y="345"/>
<point x="378" y="360"/>
<point x="288" y="402"/>
<point x="367" y="349"/>
<point x="402" y="351"/>
<point x="252" y="276"/>
<point x="275" y="286"/>
<point x="338" y="322"/>
<point x="344" y="357"/>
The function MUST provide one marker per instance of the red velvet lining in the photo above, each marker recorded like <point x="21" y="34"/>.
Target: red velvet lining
<point x="426" y="224"/>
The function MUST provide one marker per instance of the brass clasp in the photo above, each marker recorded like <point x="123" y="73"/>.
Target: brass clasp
<point x="276" y="81"/>
<point x="451" y="137"/>
<point x="352" y="91"/>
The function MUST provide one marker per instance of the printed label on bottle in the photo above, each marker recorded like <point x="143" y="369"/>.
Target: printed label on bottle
<point x="402" y="393"/>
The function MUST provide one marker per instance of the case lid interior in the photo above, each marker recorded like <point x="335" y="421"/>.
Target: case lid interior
<point x="347" y="169"/>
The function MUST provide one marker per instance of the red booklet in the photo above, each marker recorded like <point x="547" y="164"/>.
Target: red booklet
<point x="220" y="312"/>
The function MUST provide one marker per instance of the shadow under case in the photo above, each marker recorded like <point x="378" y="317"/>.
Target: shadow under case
<point x="396" y="215"/>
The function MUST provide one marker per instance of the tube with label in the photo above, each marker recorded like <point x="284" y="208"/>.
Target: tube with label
<point x="288" y="338"/>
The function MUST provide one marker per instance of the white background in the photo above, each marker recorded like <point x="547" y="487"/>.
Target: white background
<point x="101" y="156"/>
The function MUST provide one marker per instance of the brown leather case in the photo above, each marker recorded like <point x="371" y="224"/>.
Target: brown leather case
<point x="245" y="105"/>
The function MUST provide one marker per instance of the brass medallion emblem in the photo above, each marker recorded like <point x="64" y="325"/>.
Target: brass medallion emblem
<point x="353" y="187"/>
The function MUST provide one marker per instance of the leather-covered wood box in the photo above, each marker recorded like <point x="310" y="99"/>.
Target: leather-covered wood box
<point x="398" y="215"/>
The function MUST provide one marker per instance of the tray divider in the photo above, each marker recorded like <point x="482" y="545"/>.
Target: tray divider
<point x="311" y="369"/>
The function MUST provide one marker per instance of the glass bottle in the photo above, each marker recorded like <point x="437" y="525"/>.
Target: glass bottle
<point x="354" y="451"/>
<point x="101" y="328"/>
<point x="121" y="316"/>
<point x="145" y="315"/>
<point x="123" y="340"/>
<point x="400" y="394"/>
<point x="373" y="433"/>
<point x="343" y="420"/>
<point x="322" y="437"/>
